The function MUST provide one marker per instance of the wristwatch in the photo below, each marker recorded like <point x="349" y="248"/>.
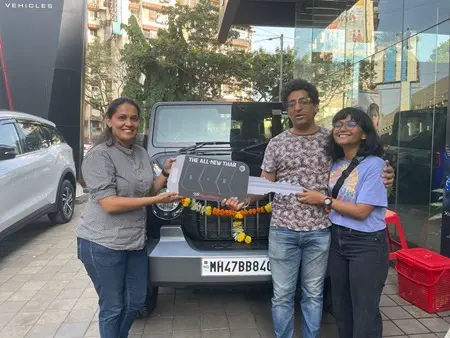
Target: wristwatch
<point x="165" y="173"/>
<point x="327" y="202"/>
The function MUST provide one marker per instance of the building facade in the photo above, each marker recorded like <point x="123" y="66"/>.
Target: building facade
<point x="42" y="60"/>
<point x="391" y="58"/>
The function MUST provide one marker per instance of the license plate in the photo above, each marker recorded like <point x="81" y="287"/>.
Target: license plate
<point x="235" y="266"/>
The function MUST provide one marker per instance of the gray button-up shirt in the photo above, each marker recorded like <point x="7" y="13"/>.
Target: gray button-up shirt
<point x="115" y="171"/>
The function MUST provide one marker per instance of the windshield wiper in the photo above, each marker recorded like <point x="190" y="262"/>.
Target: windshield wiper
<point x="253" y="147"/>
<point x="199" y="145"/>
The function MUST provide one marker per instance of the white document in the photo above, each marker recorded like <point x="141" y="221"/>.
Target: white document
<point x="262" y="186"/>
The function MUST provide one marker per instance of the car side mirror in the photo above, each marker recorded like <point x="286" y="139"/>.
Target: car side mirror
<point x="7" y="153"/>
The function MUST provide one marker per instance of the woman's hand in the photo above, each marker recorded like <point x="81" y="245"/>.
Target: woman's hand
<point x="168" y="197"/>
<point x="311" y="197"/>
<point x="233" y="203"/>
<point x="168" y="164"/>
<point x="388" y="175"/>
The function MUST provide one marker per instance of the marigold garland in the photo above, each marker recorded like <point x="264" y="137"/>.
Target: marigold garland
<point x="238" y="225"/>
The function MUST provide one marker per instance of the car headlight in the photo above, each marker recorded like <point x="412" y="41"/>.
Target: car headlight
<point x="167" y="211"/>
<point x="167" y="207"/>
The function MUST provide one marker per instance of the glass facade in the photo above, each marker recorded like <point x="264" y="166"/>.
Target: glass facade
<point x="391" y="58"/>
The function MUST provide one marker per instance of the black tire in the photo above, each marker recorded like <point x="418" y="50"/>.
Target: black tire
<point x="65" y="203"/>
<point x="150" y="302"/>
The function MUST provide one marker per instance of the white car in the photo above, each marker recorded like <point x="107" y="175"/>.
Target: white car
<point x="37" y="172"/>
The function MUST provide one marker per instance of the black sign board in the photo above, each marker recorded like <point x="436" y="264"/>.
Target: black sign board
<point x="208" y="178"/>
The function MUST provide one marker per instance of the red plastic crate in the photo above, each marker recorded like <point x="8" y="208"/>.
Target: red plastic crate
<point x="424" y="279"/>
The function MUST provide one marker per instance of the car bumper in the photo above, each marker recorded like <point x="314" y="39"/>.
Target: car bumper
<point x="173" y="262"/>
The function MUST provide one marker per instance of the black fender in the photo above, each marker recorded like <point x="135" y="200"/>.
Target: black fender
<point x="61" y="179"/>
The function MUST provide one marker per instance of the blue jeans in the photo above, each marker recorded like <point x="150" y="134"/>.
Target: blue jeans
<point x="120" y="279"/>
<point x="291" y="252"/>
<point x="359" y="264"/>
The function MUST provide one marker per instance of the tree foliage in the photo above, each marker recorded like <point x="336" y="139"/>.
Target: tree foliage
<point x="186" y="63"/>
<point x="441" y="54"/>
<point x="104" y="75"/>
<point x="265" y="73"/>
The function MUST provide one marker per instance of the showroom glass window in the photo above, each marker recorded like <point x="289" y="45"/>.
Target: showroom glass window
<point x="392" y="58"/>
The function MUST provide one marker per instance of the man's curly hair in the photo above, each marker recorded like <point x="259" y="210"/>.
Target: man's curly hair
<point x="300" y="84"/>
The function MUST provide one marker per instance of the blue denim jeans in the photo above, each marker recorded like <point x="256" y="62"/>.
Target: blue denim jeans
<point x="290" y="253"/>
<point x="120" y="279"/>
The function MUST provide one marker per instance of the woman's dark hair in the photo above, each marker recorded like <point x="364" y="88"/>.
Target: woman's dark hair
<point x="370" y="146"/>
<point x="107" y="136"/>
<point x="300" y="84"/>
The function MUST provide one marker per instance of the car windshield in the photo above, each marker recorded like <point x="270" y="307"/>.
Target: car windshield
<point x="185" y="125"/>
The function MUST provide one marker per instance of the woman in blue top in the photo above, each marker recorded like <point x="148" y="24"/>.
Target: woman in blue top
<point x="359" y="256"/>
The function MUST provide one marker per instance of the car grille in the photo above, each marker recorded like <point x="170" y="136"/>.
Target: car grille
<point x="220" y="228"/>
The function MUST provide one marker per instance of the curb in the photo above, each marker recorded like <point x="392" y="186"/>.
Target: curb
<point x="81" y="199"/>
<point x="81" y="194"/>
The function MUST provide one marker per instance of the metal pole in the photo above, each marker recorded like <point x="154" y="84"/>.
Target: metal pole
<point x="281" y="67"/>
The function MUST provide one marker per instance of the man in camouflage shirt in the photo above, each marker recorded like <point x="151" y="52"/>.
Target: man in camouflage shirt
<point x="299" y="238"/>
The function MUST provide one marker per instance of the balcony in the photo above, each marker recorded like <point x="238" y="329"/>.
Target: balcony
<point x="150" y="27"/>
<point x="152" y="4"/>
<point x="134" y="6"/>
<point x="241" y="43"/>
<point x="94" y="23"/>
<point x="96" y="5"/>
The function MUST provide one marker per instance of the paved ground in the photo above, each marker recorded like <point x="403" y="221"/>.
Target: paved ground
<point x="45" y="292"/>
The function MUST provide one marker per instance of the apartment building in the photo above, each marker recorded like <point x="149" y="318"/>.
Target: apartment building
<point x="98" y="17"/>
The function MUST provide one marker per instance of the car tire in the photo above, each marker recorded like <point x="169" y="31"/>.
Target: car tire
<point x="65" y="203"/>
<point x="150" y="302"/>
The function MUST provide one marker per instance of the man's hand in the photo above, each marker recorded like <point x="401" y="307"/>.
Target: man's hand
<point x="311" y="197"/>
<point x="234" y="204"/>
<point x="388" y="175"/>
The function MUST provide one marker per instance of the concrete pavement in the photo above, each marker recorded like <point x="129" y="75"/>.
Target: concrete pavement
<point x="45" y="292"/>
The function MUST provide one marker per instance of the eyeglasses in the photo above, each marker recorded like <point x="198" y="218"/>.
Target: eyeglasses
<point x="348" y="124"/>
<point x="304" y="101"/>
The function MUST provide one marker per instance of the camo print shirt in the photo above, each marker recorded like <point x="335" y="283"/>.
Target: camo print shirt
<point x="301" y="160"/>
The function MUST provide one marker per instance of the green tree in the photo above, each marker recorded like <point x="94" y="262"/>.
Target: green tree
<point x="264" y="73"/>
<point x="185" y="61"/>
<point x="441" y="53"/>
<point x="104" y="75"/>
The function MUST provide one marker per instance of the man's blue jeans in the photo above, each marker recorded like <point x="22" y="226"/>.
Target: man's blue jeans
<point x="290" y="253"/>
<point x="120" y="279"/>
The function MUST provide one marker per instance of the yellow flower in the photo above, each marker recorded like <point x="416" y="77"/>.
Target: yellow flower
<point x="208" y="211"/>
<point x="241" y="237"/>
<point x="248" y="239"/>
<point x="237" y="223"/>
<point x="187" y="202"/>
<point x="238" y="215"/>
<point x="268" y="207"/>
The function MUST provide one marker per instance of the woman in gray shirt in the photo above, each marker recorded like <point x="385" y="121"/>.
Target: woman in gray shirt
<point x="112" y="232"/>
